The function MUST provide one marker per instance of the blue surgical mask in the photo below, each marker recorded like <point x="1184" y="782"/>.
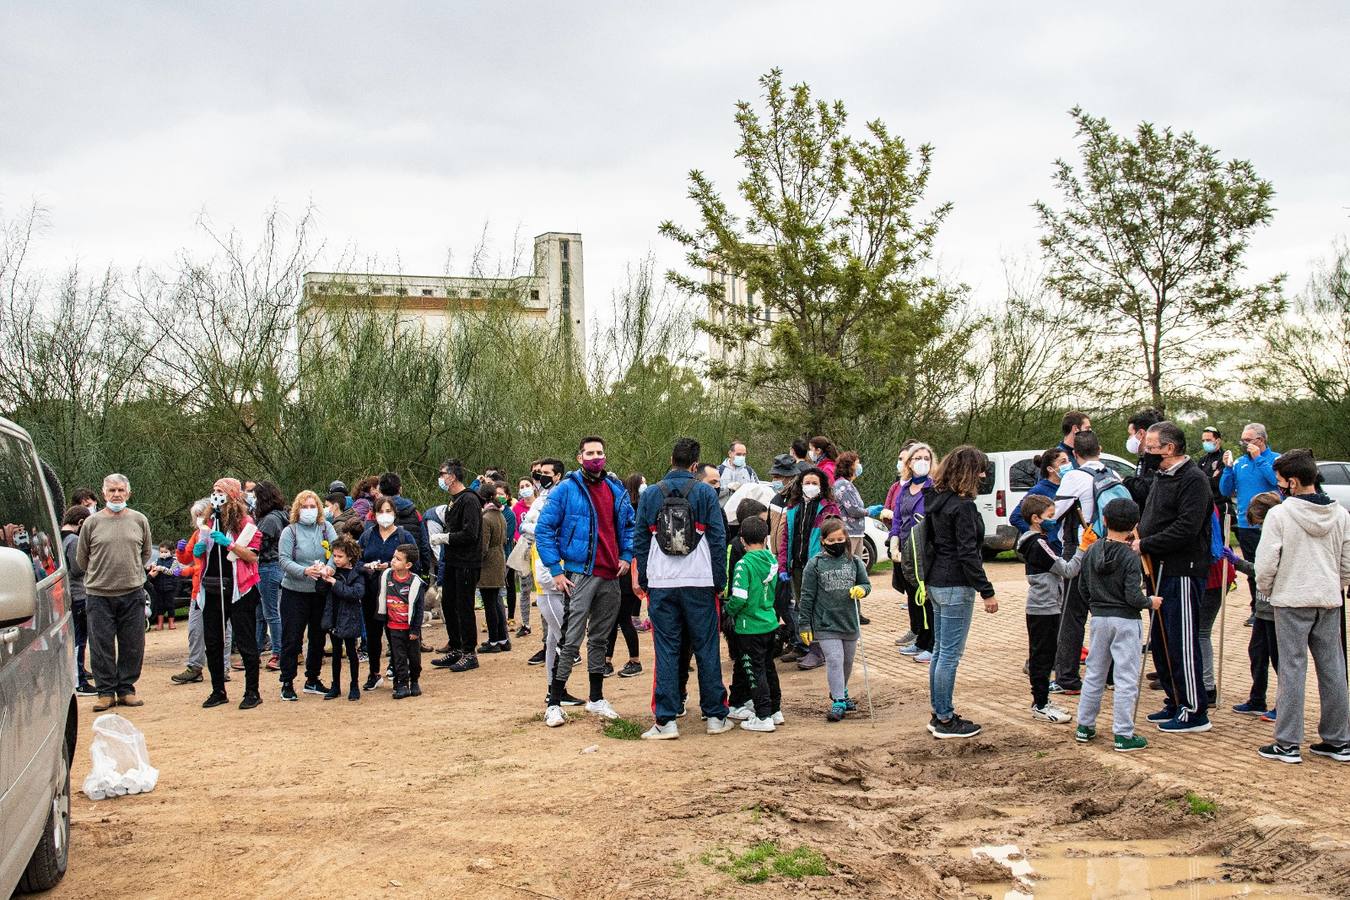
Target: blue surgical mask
<point x="441" y="482"/>
<point x="116" y="507"/>
<point x="777" y="486"/>
<point x="1209" y="446"/>
<point x="1065" y="470"/>
<point x="857" y="471"/>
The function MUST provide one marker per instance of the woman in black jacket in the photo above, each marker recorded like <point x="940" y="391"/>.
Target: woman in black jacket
<point x="953" y="576"/>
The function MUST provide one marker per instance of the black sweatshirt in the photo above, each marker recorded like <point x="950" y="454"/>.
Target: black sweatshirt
<point x="464" y="532"/>
<point x="1174" y="529"/>
<point x="958" y="538"/>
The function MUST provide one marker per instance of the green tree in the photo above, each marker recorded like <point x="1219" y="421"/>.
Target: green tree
<point x="1148" y="245"/>
<point x="841" y="302"/>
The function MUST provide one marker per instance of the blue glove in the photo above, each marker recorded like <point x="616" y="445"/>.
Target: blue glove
<point x="875" y="509"/>
<point x="221" y="538"/>
<point x="1230" y="556"/>
<point x="199" y="549"/>
<point x="784" y="576"/>
<point x="182" y="545"/>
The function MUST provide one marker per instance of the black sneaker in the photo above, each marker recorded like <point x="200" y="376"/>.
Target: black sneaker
<point x="354" y="693"/>
<point x="446" y="661"/>
<point x="315" y="687"/>
<point x="609" y="670"/>
<point x="536" y="660"/>
<point x="373" y="682"/>
<point x="288" y="692"/>
<point x="504" y="646"/>
<point x="955" y="727"/>
<point x="630" y="669"/>
<point x="401" y="693"/>
<point x="1211" y="697"/>
<point x="465" y="664"/>
<point x="488" y="647"/>
<point x="333" y="693"/>
<point x="863" y="620"/>
<point x="933" y="724"/>
<point x="569" y="700"/>
<point x="1283" y="753"/>
<point x="1338" y="752"/>
<point x="251" y="699"/>
<point x="85" y="689"/>
<point x="415" y="689"/>
<point x="217" y="698"/>
<point x="523" y="631"/>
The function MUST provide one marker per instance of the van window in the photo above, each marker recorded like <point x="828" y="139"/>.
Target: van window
<point x="987" y="483"/>
<point x="1023" y="475"/>
<point x="25" y="522"/>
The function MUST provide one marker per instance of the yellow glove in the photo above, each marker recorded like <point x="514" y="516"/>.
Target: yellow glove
<point x="808" y="637"/>
<point x="856" y="592"/>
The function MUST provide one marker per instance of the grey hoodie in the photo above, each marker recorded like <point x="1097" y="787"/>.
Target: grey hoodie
<point x="1303" y="559"/>
<point x="1112" y="581"/>
<point x="1047" y="574"/>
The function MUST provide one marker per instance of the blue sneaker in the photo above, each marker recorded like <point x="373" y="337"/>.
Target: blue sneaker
<point x="1185" y="723"/>
<point x="1268" y="716"/>
<point x="1166" y="714"/>
<point x="837" y="711"/>
<point x="1246" y="709"/>
<point x="910" y="650"/>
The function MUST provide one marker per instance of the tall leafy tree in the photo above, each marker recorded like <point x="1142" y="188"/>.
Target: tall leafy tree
<point x="1148" y="244"/>
<point x="841" y="301"/>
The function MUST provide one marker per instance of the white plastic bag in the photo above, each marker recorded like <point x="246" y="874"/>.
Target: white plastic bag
<point x="121" y="764"/>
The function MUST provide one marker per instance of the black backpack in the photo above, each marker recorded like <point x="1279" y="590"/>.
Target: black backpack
<point x="677" y="532"/>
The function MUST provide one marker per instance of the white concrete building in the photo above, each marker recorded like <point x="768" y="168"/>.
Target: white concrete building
<point x="738" y="304"/>
<point x="553" y="295"/>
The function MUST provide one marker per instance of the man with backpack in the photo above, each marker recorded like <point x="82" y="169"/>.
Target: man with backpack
<point x="1083" y="494"/>
<point x="680" y="549"/>
<point x="584" y="536"/>
<point x="1175" y="536"/>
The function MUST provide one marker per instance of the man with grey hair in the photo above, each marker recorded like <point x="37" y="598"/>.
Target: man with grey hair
<point x="114" y="549"/>
<point x="1250" y="474"/>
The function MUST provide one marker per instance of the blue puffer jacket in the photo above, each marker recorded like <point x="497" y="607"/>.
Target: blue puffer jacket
<point x="565" y="533"/>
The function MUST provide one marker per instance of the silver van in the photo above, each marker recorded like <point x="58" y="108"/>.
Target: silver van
<point x="38" y="722"/>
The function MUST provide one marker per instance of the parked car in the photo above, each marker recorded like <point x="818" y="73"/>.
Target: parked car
<point x="1335" y="478"/>
<point x="1013" y="473"/>
<point x="38" y="714"/>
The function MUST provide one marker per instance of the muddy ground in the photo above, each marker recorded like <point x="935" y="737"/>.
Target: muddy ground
<point x="465" y="791"/>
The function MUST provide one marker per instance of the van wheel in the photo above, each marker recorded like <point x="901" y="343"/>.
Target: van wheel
<point x="48" y="864"/>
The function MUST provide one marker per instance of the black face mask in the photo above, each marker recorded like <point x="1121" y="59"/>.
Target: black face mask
<point x="835" y="549"/>
<point x="1151" y="460"/>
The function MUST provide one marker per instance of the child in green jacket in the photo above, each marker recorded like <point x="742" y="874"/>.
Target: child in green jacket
<point x="752" y="612"/>
<point x="834" y="581"/>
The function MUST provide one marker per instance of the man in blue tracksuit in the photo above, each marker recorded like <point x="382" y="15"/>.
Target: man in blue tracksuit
<point x="584" y="537"/>
<point x="1251" y="474"/>
<point x="683" y="587"/>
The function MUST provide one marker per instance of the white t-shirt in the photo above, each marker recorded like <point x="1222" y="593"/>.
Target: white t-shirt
<point x="1077" y="486"/>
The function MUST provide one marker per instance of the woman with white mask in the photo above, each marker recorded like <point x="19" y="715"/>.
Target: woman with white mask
<point x="303" y="550"/>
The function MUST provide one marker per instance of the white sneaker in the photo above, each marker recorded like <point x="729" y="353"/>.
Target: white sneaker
<point x="719" y="725"/>
<point x="601" y="708"/>
<point x="742" y="713"/>
<point x="756" y="724"/>
<point x="778" y="718"/>
<point x="666" y="732"/>
<point x="1050" y="713"/>
<point x="554" y="716"/>
<point x="923" y="657"/>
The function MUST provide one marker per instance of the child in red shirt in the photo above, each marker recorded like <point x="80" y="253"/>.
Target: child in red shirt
<point x="400" y="603"/>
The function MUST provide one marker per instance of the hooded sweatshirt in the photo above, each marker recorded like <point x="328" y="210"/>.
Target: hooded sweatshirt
<point x="958" y="537"/>
<point x="1112" y="581"/>
<point x="1303" y="559"/>
<point x="826" y="607"/>
<point x="752" y="593"/>
<point x="1046" y="573"/>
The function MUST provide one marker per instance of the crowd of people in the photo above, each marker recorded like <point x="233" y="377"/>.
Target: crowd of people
<point x="771" y="569"/>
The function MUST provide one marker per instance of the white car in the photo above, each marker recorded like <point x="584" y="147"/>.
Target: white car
<point x="1336" y="481"/>
<point x="874" y="531"/>
<point x="1013" y="473"/>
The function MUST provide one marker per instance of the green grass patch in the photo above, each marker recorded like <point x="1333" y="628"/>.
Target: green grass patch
<point x="1203" y="807"/>
<point x="622" y="730"/>
<point x="882" y="565"/>
<point x="766" y="860"/>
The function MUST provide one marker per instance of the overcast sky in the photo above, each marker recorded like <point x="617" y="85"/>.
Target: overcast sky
<point x="410" y="125"/>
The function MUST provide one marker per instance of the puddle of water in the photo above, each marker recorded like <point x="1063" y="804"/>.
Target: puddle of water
<point x="1121" y="870"/>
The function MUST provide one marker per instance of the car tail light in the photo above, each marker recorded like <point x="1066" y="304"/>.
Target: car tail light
<point x="1001" y="503"/>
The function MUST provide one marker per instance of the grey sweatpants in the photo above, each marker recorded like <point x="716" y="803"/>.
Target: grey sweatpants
<point x="1113" y="641"/>
<point x="838" y="664"/>
<point x="588" y="612"/>
<point x="197" y="639"/>
<point x="1297" y="631"/>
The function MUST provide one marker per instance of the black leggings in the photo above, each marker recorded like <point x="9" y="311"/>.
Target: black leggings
<point x="350" y="645"/>
<point x="510" y="594"/>
<point x="243" y="615"/>
<point x="629" y="605"/>
<point x="493" y="615"/>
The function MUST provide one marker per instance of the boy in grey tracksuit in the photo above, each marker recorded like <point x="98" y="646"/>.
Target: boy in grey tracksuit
<point x="1112" y="585"/>
<point x="1047" y="575"/>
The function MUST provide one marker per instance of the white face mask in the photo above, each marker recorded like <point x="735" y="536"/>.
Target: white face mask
<point x="920" y="468"/>
<point x="526" y="493"/>
<point x="385" y="519"/>
<point x="309" y="516"/>
<point x="218" y="499"/>
<point x="810" y="491"/>
<point x="250" y="499"/>
<point x="1132" y="445"/>
<point x="899" y="467"/>
<point x="738" y="460"/>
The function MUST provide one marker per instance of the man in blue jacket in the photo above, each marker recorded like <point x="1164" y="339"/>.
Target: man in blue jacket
<point x="585" y="539"/>
<point x="1251" y="474"/>
<point x="681" y="552"/>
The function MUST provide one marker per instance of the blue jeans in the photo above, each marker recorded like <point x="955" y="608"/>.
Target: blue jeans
<point x="952" y="610"/>
<point x="269" y="611"/>
<point x="675" y="614"/>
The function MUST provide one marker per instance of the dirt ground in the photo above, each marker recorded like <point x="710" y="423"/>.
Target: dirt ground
<point x="465" y="791"/>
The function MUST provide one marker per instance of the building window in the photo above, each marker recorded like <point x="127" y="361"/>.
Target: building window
<point x="377" y="289"/>
<point x="402" y="292"/>
<point x="564" y="250"/>
<point x="534" y="295"/>
<point x="427" y="292"/>
<point x="475" y="294"/>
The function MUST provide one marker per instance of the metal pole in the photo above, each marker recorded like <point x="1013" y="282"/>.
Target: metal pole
<point x="867" y="684"/>
<point x="1143" y="665"/>
<point x="1223" y="615"/>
